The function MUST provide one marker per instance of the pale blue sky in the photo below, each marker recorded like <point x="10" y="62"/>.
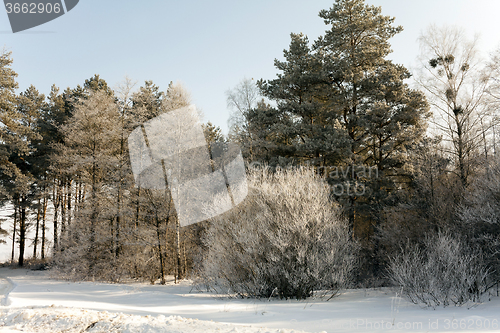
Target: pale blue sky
<point x="207" y="45"/>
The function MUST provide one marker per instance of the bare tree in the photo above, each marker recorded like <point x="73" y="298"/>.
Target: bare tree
<point x="494" y="92"/>
<point x="456" y="81"/>
<point x="240" y="100"/>
<point x="494" y="88"/>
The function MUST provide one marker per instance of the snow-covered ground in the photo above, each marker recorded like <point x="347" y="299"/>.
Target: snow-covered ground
<point x="37" y="303"/>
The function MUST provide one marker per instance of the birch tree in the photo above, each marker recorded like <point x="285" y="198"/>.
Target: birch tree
<point x="456" y="81"/>
<point x="241" y="100"/>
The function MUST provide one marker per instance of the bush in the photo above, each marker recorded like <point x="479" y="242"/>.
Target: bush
<point x="480" y="217"/>
<point x="285" y="240"/>
<point x="444" y="271"/>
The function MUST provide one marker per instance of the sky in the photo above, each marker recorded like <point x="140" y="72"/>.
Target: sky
<point x="208" y="46"/>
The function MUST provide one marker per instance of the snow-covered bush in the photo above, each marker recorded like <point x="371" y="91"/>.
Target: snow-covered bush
<point x="285" y="240"/>
<point x="444" y="271"/>
<point x="480" y="217"/>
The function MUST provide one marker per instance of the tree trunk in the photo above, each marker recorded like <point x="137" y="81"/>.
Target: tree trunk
<point x="70" y="186"/>
<point x="79" y="197"/>
<point x="160" y="250"/>
<point x="120" y="183"/>
<point x="351" y="214"/>
<point x="184" y="270"/>
<point x="93" y="217"/>
<point x="461" y="153"/>
<point x="22" y="231"/>
<point x="118" y="220"/>
<point x="38" y="212"/>
<point x="63" y="208"/>
<point x="56" y="198"/>
<point x="44" y="213"/>
<point x="138" y="207"/>
<point x="14" y="232"/>
<point x="178" y="250"/>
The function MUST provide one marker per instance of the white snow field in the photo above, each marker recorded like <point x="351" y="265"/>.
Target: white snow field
<point x="33" y="302"/>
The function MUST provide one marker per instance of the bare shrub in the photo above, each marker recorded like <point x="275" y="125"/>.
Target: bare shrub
<point x="285" y="240"/>
<point x="480" y="216"/>
<point x="442" y="272"/>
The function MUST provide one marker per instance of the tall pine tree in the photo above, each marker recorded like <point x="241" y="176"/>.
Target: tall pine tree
<point x="341" y="105"/>
<point x="18" y="136"/>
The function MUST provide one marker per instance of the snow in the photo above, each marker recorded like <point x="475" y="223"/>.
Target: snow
<point x="37" y="303"/>
<point x="78" y="320"/>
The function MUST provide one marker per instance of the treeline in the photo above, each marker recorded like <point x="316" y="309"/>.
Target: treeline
<point x="340" y="106"/>
<point x="412" y="174"/>
<point x="69" y="153"/>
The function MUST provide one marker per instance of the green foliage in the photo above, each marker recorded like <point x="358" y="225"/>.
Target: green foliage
<point x="95" y="84"/>
<point x="147" y="102"/>
<point x="213" y="133"/>
<point x="341" y="103"/>
<point x="19" y="138"/>
<point x="8" y="142"/>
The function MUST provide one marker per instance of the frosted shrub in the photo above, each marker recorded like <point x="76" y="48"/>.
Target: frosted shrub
<point x="285" y="240"/>
<point x="444" y="271"/>
<point x="480" y="217"/>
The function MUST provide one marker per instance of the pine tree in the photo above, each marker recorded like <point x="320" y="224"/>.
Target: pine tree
<point x="30" y="107"/>
<point x="213" y="133"/>
<point x="8" y="85"/>
<point x="380" y="113"/>
<point x="19" y="117"/>
<point x="92" y="139"/>
<point x="95" y="84"/>
<point x="147" y="102"/>
<point x="55" y="114"/>
<point x="176" y="97"/>
<point x="342" y="103"/>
